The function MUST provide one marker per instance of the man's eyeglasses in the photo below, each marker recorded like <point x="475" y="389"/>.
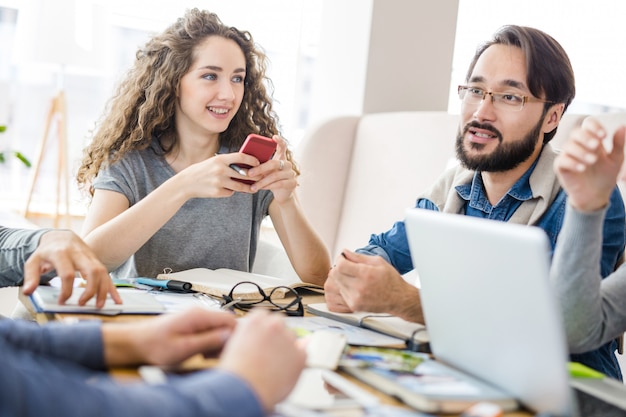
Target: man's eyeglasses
<point x="502" y="101"/>
<point x="284" y="299"/>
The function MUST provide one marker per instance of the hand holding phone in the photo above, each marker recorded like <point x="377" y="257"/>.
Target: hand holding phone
<point x="261" y="147"/>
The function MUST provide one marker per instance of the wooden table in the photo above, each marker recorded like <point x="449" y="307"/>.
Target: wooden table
<point x="198" y="362"/>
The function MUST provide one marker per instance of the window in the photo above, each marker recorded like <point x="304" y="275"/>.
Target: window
<point x="288" y="31"/>
<point x="591" y="32"/>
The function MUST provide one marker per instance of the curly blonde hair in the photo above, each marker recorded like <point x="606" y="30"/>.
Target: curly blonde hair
<point x="143" y="106"/>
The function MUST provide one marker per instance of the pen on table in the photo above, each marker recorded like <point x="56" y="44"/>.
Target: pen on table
<point x="239" y="169"/>
<point x="168" y="284"/>
<point x="207" y="300"/>
<point x="227" y="306"/>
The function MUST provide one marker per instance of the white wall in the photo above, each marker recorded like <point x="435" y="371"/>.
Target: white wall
<point x="383" y="55"/>
<point x="338" y="86"/>
<point x="410" y="55"/>
<point x="591" y="32"/>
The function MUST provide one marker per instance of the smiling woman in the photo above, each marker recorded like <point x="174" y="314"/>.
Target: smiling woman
<point x="159" y="162"/>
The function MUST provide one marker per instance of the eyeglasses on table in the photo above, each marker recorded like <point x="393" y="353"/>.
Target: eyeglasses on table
<point x="282" y="298"/>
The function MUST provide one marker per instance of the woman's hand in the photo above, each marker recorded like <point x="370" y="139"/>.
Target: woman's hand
<point x="214" y="177"/>
<point x="276" y="175"/>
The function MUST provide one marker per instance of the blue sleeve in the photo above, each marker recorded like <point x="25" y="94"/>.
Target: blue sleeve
<point x="80" y="343"/>
<point x="614" y="233"/>
<point x="393" y="245"/>
<point x="43" y="381"/>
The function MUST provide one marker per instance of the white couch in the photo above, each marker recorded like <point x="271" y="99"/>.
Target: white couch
<point x="360" y="174"/>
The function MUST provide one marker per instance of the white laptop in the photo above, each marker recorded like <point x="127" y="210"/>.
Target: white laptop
<point x="488" y="305"/>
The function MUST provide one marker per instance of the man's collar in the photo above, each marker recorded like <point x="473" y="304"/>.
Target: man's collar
<point x="521" y="190"/>
<point x="539" y="180"/>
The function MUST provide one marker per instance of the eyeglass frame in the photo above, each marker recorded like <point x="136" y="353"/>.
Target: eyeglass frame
<point x="246" y="305"/>
<point x="497" y="98"/>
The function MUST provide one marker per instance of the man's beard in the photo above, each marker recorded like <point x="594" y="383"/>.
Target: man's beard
<point x="505" y="157"/>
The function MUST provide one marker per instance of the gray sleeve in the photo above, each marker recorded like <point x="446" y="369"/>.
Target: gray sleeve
<point x="16" y="245"/>
<point x="593" y="309"/>
<point x="119" y="178"/>
<point x="135" y="175"/>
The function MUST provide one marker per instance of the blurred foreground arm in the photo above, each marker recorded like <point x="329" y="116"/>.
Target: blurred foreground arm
<point x="259" y="366"/>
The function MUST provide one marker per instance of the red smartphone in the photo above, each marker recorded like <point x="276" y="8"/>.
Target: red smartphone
<point x="261" y="147"/>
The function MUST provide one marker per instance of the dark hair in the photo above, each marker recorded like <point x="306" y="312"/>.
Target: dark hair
<point x="143" y="107"/>
<point x="548" y="68"/>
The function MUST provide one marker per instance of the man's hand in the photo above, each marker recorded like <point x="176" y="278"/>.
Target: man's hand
<point x="168" y="339"/>
<point x="264" y="352"/>
<point x="332" y="294"/>
<point x="64" y="251"/>
<point x="587" y="172"/>
<point x="368" y="283"/>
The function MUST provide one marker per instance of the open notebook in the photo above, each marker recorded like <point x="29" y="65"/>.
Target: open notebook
<point x="218" y="282"/>
<point x="489" y="310"/>
<point x="414" y="335"/>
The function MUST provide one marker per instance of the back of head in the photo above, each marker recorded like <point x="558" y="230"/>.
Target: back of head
<point x="548" y="68"/>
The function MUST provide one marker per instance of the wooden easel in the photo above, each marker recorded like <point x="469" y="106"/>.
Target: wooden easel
<point x="57" y="114"/>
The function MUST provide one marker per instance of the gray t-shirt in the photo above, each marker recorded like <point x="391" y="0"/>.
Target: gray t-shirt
<point x="16" y="246"/>
<point x="206" y="232"/>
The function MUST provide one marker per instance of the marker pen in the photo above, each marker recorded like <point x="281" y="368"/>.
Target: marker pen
<point x="168" y="284"/>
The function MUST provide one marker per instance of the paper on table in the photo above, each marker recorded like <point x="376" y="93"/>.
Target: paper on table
<point x="173" y="302"/>
<point x="354" y="335"/>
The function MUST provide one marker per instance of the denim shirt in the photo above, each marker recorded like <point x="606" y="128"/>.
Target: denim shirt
<point x="393" y="246"/>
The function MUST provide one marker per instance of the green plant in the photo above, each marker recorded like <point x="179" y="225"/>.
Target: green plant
<point x="17" y="154"/>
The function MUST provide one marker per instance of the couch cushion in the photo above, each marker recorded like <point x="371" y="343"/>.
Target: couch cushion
<point x="324" y="156"/>
<point x="395" y="157"/>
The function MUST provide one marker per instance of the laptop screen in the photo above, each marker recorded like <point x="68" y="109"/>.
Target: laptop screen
<point x="488" y="304"/>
